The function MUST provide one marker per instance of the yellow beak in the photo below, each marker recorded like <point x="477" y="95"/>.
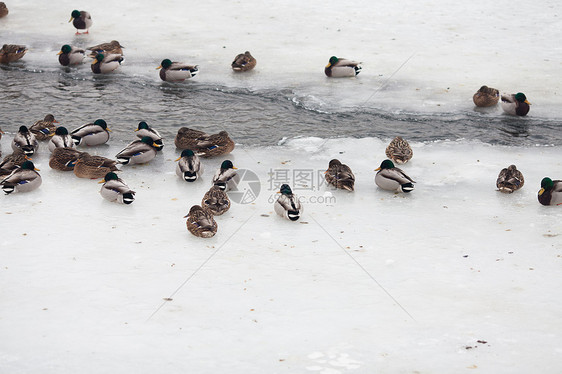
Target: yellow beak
<point x="36" y="169"/>
<point x="328" y="65"/>
<point x="71" y="18"/>
<point x="541" y="191"/>
<point x="159" y="67"/>
<point x="102" y="181"/>
<point x="60" y="53"/>
<point x="527" y="102"/>
<point x="377" y="169"/>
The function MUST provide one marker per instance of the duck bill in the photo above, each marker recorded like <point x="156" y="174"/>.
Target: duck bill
<point x="541" y="191"/>
<point x="327" y="66"/>
<point x="60" y="53"/>
<point x="71" y="18"/>
<point x="102" y="181"/>
<point x="527" y="102"/>
<point x="179" y="158"/>
<point x="377" y="169"/>
<point x="160" y="67"/>
<point x="108" y="129"/>
<point x="36" y="169"/>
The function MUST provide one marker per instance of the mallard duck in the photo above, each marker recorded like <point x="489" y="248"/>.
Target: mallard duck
<point x="91" y="134"/>
<point x="24" y="141"/>
<point x="24" y="179"/>
<point x="3" y="9"/>
<point x="11" y="162"/>
<point x="104" y="64"/>
<point x="200" y="222"/>
<point x="399" y="151"/>
<point x="81" y="20"/>
<point x="203" y="144"/>
<point x="341" y="67"/>
<point x="216" y="201"/>
<point x="515" y="104"/>
<point x="486" y="96"/>
<point x="392" y="178"/>
<point x="189" y="166"/>
<point x="138" y="152"/>
<point x="550" y="192"/>
<point x="288" y="204"/>
<point x="115" y="190"/>
<point x="61" y="139"/>
<point x="64" y="159"/>
<point x="144" y="130"/>
<point x="510" y="179"/>
<point x="243" y="62"/>
<point x="339" y="175"/>
<point x="44" y="129"/>
<point x="93" y="167"/>
<point x="226" y="178"/>
<point x="111" y="48"/>
<point x="11" y="52"/>
<point x="176" y="71"/>
<point x="70" y="55"/>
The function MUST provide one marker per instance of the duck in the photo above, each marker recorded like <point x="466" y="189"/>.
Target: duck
<point x="399" y="151"/>
<point x="115" y="190"/>
<point x="144" y="130"/>
<point x="204" y="145"/>
<point x="550" y="192"/>
<point x="138" y="152"/>
<point x="91" y="133"/>
<point x="339" y="175"/>
<point x="104" y="64"/>
<point x="24" y="141"/>
<point x="486" y="97"/>
<point x="45" y="128"/>
<point x="111" y="48"/>
<point x="64" y="158"/>
<point x="510" y="179"/>
<point x="176" y="71"/>
<point x="70" y="55"/>
<point x="81" y="20"/>
<point x="515" y="104"/>
<point x="3" y="9"/>
<point x="61" y="139"/>
<point x="216" y="201"/>
<point x="226" y="178"/>
<point x="23" y="179"/>
<point x="11" y="162"/>
<point x="288" y="204"/>
<point x="12" y="52"/>
<point x="93" y="167"/>
<point x="189" y="166"/>
<point x="243" y="62"/>
<point x="392" y="178"/>
<point x="200" y="222"/>
<point x="341" y="67"/>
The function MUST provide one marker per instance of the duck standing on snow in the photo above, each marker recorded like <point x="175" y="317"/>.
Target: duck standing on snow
<point x="138" y="152"/>
<point x="144" y="130"/>
<point x="486" y="96"/>
<point x="399" y="150"/>
<point x="200" y="222"/>
<point x="104" y="64"/>
<point x="24" y="179"/>
<point x="91" y="133"/>
<point x="550" y="192"/>
<point x="25" y="142"/>
<point x="341" y="67"/>
<point x="61" y="139"/>
<point x="288" y="205"/>
<point x="516" y="105"/>
<point x="244" y="62"/>
<point x="64" y="159"/>
<point x="339" y="175"/>
<point x="216" y="201"/>
<point x="45" y="128"/>
<point x="189" y="166"/>
<point x="12" y="52"/>
<point x="392" y="178"/>
<point x="176" y="71"/>
<point x="510" y="179"/>
<point x="226" y="178"/>
<point x="115" y="190"/>
<point x="93" y="167"/>
<point x="81" y="20"/>
<point x="111" y="48"/>
<point x="203" y="144"/>
<point x="70" y="55"/>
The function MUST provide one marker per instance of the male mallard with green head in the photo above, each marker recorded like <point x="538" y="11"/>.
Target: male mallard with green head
<point x="550" y="192"/>
<point x="216" y="201"/>
<point x="399" y="150"/>
<point x="391" y="178"/>
<point x="176" y="71"/>
<point x="91" y="133"/>
<point x="138" y="152"/>
<point x="144" y="130"/>
<point x="25" y="142"/>
<point x="189" y="166"/>
<point x="486" y="96"/>
<point x="341" y="67"/>
<point x="339" y="175"/>
<point x="104" y="64"/>
<point x="516" y="105"/>
<point x="70" y="55"/>
<point x="81" y="20"/>
<point x="200" y="222"/>
<point x="24" y="179"/>
<point x="114" y="189"/>
<point x="61" y="139"/>
<point x="288" y="204"/>
<point x="226" y="178"/>
<point x="510" y="179"/>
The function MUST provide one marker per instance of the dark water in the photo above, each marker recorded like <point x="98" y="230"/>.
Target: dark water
<point x="251" y="117"/>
